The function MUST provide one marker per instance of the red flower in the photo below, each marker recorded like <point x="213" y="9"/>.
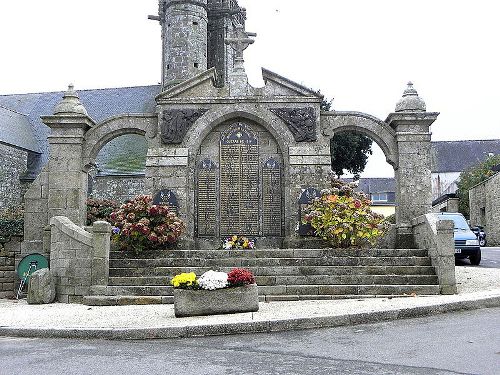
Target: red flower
<point x="240" y="277"/>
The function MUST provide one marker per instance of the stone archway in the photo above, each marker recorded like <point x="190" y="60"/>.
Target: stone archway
<point x="239" y="182"/>
<point x="103" y="133"/>
<point x="373" y="128"/>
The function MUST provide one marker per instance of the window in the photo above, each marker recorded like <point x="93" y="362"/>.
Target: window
<point x="379" y="197"/>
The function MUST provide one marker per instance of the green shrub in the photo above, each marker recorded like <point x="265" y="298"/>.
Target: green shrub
<point x="100" y="209"/>
<point x="342" y="217"/>
<point x="391" y="219"/>
<point x="11" y="223"/>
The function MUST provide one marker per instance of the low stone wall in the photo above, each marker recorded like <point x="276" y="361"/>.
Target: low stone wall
<point x="78" y="259"/>
<point x="8" y="278"/>
<point x="437" y="237"/>
<point x="484" y="204"/>
<point x="116" y="188"/>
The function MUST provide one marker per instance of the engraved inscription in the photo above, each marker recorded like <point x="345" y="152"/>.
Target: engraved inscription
<point x="271" y="198"/>
<point x="207" y="198"/>
<point x="239" y="181"/>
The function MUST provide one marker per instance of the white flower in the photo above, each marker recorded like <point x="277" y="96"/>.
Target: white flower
<point x="212" y="280"/>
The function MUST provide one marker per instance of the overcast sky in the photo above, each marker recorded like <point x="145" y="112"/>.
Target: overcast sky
<point x="359" y="52"/>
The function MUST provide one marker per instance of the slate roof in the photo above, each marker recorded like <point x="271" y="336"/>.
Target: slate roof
<point x="101" y="104"/>
<point x="16" y="130"/>
<point x="377" y="185"/>
<point x="455" y="156"/>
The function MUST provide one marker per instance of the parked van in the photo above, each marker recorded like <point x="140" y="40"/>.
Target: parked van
<point x="466" y="242"/>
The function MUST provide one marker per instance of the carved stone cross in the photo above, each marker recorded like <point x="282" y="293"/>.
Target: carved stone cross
<point x="240" y="43"/>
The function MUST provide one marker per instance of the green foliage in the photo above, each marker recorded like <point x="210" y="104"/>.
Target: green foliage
<point x="100" y="209"/>
<point x="471" y="177"/>
<point x="342" y="217"/>
<point x="11" y="223"/>
<point x="349" y="150"/>
<point x="391" y="219"/>
<point x="140" y="226"/>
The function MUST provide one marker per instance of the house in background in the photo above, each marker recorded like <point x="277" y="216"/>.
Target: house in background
<point x="18" y="149"/>
<point x="450" y="158"/>
<point x="382" y="193"/>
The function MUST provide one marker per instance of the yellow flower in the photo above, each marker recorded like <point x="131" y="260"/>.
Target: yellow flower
<point x="234" y="238"/>
<point x="184" y="279"/>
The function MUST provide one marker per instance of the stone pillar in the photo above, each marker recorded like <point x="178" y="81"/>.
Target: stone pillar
<point x="413" y="173"/>
<point x="167" y="168"/>
<point x="67" y="182"/>
<point x="101" y="243"/>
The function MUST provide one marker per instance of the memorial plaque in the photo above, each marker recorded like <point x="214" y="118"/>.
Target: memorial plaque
<point x="307" y="196"/>
<point x="239" y="181"/>
<point x="271" y="199"/>
<point x="167" y="198"/>
<point x="207" y="198"/>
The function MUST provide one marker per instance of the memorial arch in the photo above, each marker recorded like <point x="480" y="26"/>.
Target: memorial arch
<point x="239" y="182"/>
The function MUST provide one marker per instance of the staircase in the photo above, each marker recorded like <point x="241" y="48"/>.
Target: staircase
<point x="282" y="275"/>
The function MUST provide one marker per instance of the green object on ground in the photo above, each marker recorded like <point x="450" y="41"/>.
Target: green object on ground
<point x="36" y="261"/>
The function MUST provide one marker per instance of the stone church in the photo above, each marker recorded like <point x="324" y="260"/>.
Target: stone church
<point x="235" y="158"/>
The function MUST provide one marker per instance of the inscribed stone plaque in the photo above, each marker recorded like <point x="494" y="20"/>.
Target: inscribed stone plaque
<point x="307" y="196"/>
<point x="239" y="181"/>
<point x="207" y="198"/>
<point x="271" y="199"/>
<point x="166" y="198"/>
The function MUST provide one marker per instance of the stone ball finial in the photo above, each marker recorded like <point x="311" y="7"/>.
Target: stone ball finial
<point x="411" y="102"/>
<point x="70" y="104"/>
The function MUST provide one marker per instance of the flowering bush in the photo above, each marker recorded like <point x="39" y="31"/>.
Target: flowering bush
<point x="343" y="216"/>
<point x="185" y="281"/>
<point x="100" y="209"/>
<point x="140" y="225"/>
<point x="212" y="280"/>
<point x="235" y="242"/>
<point x="240" y="277"/>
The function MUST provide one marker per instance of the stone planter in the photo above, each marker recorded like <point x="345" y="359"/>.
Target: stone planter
<point x="211" y="302"/>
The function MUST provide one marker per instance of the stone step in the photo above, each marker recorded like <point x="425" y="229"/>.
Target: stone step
<point x="132" y="290"/>
<point x="378" y="290"/>
<point x="281" y="253"/>
<point x="296" y="280"/>
<point x="164" y="294"/>
<point x="126" y="300"/>
<point x="279" y="271"/>
<point x="270" y="262"/>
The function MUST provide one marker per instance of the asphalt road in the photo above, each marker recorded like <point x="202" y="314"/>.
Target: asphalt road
<point x="460" y="343"/>
<point x="490" y="258"/>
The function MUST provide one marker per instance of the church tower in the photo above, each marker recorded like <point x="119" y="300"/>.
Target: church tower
<point x="184" y="26"/>
<point x="224" y="16"/>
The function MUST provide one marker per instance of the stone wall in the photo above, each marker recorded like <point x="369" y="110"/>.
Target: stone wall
<point x="78" y="259"/>
<point x="436" y="236"/>
<point x="8" y="279"/>
<point x="116" y="188"/>
<point x="446" y="205"/>
<point x="12" y="166"/>
<point x="484" y="203"/>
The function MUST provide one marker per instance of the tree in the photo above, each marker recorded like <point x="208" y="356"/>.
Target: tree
<point x="471" y="177"/>
<point x="349" y="150"/>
